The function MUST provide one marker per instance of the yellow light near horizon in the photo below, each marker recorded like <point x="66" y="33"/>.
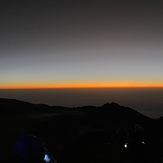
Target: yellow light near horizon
<point x="116" y="84"/>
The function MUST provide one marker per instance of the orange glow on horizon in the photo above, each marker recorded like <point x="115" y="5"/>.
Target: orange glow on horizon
<point x="123" y="84"/>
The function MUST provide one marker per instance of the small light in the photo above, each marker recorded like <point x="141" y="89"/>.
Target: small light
<point x="143" y="142"/>
<point x="125" y="145"/>
<point x="46" y="158"/>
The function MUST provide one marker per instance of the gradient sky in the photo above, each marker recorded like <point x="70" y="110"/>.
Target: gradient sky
<point x="66" y="43"/>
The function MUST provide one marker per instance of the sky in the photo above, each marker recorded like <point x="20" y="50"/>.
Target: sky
<point x="70" y="43"/>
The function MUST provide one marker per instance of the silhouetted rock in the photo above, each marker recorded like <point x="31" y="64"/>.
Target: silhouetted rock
<point x="79" y="134"/>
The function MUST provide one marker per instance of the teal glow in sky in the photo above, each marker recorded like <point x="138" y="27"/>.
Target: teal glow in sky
<point x="84" y="43"/>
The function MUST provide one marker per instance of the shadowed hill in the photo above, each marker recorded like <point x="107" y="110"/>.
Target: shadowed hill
<point x="109" y="116"/>
<point x="12" y="107"/>
<point x="73" y="131"/>
<point x="82" y="119"/>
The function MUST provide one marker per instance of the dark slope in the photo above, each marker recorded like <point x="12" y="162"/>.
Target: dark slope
<point x="113" y="115"/>
<point x="79" y="134"/>
<point x="13" y="107"/>
<point x="73" y="121"/>
<point x="77" y="120"/>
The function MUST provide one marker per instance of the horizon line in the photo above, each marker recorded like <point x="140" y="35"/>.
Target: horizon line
<point x="81" y="87"/>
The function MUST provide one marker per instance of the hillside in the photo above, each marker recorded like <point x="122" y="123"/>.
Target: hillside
<point x="74" y="133"/>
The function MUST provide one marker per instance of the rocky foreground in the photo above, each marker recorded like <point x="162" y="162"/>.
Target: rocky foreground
<point x="89" y="134"/>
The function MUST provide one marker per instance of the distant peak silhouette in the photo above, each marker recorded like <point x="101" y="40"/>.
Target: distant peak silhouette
<point x="112" y="104"/>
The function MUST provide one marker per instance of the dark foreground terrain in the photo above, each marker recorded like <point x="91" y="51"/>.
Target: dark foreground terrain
<point x="88" y="134"/>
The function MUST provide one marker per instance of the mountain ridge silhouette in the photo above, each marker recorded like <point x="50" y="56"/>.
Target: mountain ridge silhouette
<point x="77" y="133"/>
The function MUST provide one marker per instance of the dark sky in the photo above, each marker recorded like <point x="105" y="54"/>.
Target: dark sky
<point x="59" y="42"/>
